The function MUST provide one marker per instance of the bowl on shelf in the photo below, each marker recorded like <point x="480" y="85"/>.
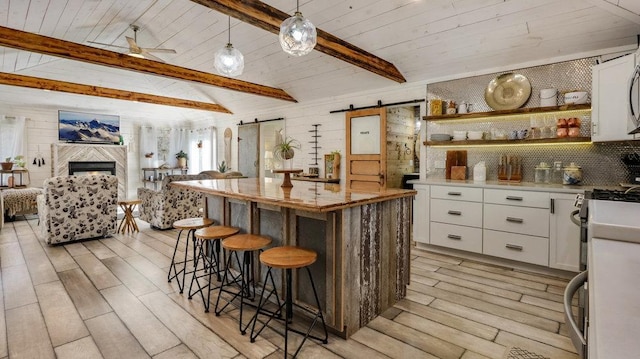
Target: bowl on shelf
<point x="577" y="97"/>
<point x="475" y="135"/>
<point x="459" y="135"/>
<point x="440" y="137"/>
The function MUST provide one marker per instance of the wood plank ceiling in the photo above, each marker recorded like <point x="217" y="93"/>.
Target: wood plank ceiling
<point x="423" y="39"/>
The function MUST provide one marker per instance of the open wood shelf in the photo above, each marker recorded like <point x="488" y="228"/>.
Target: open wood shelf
<point x="507" y="142"/>
<point x="519" y="111"/>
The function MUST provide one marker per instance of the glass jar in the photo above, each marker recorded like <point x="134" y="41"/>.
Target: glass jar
<point x="543" y="173"/>
<point x="572" y="174"/>
<point x="557" y="172"/>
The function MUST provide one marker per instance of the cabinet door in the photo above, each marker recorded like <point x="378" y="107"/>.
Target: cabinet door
<point x="564" y="236"/>
<point x="421" y="214"/>
<point x="609" y="99"/>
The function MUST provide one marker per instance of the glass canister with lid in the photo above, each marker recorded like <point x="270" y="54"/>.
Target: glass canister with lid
<point x="572" y="174"/>
<point x="542" y="173"/>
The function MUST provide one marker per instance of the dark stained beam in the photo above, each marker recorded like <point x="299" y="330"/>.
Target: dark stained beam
<point x="70" y="50"/>
<point x="269" y="18"/>
<point x="80" y="89"/>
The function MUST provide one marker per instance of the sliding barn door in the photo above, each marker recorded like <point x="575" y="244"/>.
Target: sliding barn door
<point x="366" y="157"/>
<point x="248" y="149"/>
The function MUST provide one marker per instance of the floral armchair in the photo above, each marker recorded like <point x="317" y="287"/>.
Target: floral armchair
<point x="78" y="207"/>
<point x="163" y="207"/>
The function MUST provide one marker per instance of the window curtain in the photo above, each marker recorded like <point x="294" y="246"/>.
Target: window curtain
<point x="202" y="150"/>
<point x="13" y="137"/>
<point x="178" y="141"/>
<point x="149" y="144"/>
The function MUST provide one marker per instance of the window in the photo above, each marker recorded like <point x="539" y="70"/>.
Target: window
<point x="12" y="137"/>
<point x="202" y="150"/>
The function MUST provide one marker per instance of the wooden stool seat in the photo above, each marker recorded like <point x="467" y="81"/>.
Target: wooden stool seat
<point x="288" y="257"/>
<point x="192" y="223"/>
<point x="246" y="242"/>
<point x="216" y="232"/>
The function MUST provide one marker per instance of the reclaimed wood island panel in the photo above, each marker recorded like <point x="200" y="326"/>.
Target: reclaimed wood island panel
<point x="362" y="239"/>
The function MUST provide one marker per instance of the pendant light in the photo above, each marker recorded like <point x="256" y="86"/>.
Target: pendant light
<point x="298" y="36"/>
<point x="228" y="60"/>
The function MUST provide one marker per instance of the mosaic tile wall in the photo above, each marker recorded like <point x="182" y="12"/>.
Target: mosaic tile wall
<point x="600" y="162"/>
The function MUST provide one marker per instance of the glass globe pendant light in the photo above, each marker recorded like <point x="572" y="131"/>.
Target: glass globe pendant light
<point x="228" y="60"/>
<point x="298" y="36"/>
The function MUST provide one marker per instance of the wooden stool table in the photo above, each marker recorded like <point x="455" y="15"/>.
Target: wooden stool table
<point x="128" y="223"/>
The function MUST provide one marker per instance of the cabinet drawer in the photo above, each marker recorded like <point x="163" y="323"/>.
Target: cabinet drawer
<point x="457" y="193"/>
<point x="517" y="247"/>
<point x="517" y="198"/>
<point x="456" y="212"/>
<point x="458" y="237"/>
<point x="524" y="220"/>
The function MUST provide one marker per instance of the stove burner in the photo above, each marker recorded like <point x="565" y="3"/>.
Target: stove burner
<point x="614" y="195"/>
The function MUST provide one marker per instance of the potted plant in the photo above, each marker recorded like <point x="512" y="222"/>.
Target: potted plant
<point x="284" y="150"/>
<point x="7" y="165"/>
<point x="182" y="158"/>
<point x="222" y="167"/>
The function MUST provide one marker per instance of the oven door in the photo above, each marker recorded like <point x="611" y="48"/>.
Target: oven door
<point x="577" y="331"/>
<point x="633" y="125"/>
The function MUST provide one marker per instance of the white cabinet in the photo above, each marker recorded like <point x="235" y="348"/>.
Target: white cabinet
<point x="421" y="214"/>
<point x="609" y="98"/>
<point x="517" y="247"/>
<point x="564" y="236"/>
<point x="456" y="217"/>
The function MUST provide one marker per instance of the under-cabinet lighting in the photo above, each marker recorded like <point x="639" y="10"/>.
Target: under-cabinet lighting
<point x="510" y="117"/>
<point x="563" y="144"/>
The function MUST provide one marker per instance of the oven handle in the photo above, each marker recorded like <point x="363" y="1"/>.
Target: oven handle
<point x="575" y="333"/>
<point x="574" y="219"/>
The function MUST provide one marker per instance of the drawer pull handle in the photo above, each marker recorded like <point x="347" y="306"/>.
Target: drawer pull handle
<point x="514" y="198"/>
<point x="514" y="247"/>
<point x="454" y="236"/>
<point x="454" y="194"/>
<point x="514" y="220"/>
<point x="455" y="213"/>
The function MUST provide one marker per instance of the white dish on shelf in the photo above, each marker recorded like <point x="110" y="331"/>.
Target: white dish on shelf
<point x="475" y="135"/>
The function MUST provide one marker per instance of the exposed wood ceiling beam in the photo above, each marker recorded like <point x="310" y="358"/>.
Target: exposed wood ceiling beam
<point x="269" y="18"/>
<point x="70" y="50"/>
<point x="80" y="89"/>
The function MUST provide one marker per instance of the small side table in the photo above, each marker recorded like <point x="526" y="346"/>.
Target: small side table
<point x="128" y="223"/>
<point x="286" y="183"/>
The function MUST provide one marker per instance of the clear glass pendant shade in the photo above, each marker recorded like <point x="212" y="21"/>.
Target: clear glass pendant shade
<point x="229" y="61"/>
<point x="298" y="35"/>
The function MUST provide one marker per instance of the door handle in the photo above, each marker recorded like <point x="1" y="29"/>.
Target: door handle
<point x="455" y="213"/>
<point x="514" y="220"/>
<point x="454" y="193"/>
<point x="515" y="247"/>
<point x="573" y="218"/>
<point x="514" y="198"/>
<point x="454" y="236"/>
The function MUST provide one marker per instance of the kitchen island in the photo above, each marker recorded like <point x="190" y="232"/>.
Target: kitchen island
<point x="362" y="239"/>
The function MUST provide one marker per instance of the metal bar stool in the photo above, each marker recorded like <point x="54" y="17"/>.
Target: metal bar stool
<point x="289" y="258"/>
<point x="191" y="225"/>
<point x="247" y="243"/>
<point x="208" y="251"/>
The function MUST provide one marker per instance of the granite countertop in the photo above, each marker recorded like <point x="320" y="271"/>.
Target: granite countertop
<point x="308" y="196"/>
<point x="521" y="186"/>
<point x="614" y="289"/>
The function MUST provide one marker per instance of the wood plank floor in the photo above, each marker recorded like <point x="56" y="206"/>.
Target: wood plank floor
<point x="109" y="298"/>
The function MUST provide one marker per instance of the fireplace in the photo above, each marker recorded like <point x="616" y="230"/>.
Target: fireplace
<point x="92" y="167"/>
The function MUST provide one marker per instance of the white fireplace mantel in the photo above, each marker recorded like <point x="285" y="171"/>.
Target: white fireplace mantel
<point x="63" y="153"/>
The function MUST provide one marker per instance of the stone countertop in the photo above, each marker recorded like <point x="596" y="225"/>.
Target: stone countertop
<point x="614" y="290"/>
<point x="520" y="186"/>
<point x="308" y="196"/>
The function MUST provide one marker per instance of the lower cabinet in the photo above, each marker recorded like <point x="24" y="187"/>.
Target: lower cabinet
<point x="421" y="214"/>
<point x="457" y="237"/>
<point x="517" y="247"/>
<point x="564" y="235"/>
<point x="526" y="226"/>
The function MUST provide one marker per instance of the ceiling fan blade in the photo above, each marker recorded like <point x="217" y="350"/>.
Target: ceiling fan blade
<point x="167" y="51"/>
<point x="148" y="56"/>
<point x="133" y="47"/>
<point x="103" y="44"/>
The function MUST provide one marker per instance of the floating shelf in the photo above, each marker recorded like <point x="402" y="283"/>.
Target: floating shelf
<point x="508" y="142"/>
<point x="519" y="111"/>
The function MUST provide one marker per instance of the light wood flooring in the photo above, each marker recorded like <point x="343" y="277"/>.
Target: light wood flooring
<point x="110" y="298"/>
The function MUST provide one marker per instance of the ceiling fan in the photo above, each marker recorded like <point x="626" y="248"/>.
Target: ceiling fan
<point x="137" y="51"/>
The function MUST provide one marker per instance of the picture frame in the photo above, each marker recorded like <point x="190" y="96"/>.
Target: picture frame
<point x="332" y="165"/>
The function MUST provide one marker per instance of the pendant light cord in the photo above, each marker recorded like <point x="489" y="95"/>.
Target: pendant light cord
<point x="297" y="5"/>
<point x="228" y="42"/>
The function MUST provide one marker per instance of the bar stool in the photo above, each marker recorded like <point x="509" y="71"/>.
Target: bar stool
<point x="289" y="258"/>
<point x="247" y="243"/>
<point x="191" y="225"/>
<point x="208" y="248"/>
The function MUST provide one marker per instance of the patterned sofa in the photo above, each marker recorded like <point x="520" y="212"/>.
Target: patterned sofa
<point x="163" y="207"/>
<point x="78" y="207"/>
